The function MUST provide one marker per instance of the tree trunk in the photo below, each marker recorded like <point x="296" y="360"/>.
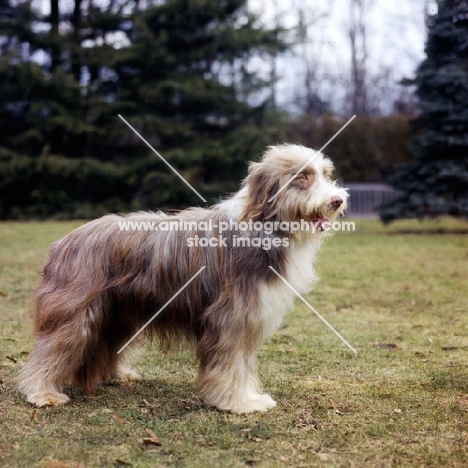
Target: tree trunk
<point x="357" y="34"/>
<point x="75" y="55"/>
<point x="54" y="23"/>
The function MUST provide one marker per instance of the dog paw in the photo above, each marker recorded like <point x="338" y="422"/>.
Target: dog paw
<point x="125" y="374"/>
<point x="41" y="399"/>
<point x="258" y="402"/>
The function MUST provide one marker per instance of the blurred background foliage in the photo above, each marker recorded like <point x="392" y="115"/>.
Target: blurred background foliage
<point x="180" y="72"/>
<point x="435" y="182"/>
<point x="65" y="78"/>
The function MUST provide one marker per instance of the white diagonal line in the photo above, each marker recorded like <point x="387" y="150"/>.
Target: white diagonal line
<point x="314" y="311"/>
<point x="161" y="309"/>
<point x="183" y="180"/>
<point x="312" y="158"/>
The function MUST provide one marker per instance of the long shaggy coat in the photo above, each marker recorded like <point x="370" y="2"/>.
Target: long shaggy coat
<point x="103" y="282"/>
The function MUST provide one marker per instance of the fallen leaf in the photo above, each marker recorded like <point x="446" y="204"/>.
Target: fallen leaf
<point x="151" y="441"/>
<point x="314" y="446"/>
<point x="11" y="358"/>
<point x="463" y="401"/>
<point x="256" y="439"/>
<point x="2" y="294"/>
<point x="119" y="419"/>
<point x="146" y="407"/>
<point x="446" y="347"/>
<point x="40" y="426"/>
<point x="307" y="422"/>
<point x="386" y="345"/>
<point x="57" y="464"/>
<point x="151" y="433"/>
<point x="122" y="462"/>
<point x="200" y="441"/>
<point x="397" y="410"/>
<point x="252" y="461"/>
<point x="33" y="415"/>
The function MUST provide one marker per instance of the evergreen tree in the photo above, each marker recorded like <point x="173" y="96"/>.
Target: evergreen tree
<point x="176" y="71"/>
<point x="184" y="84"/>
<point x="44" y="126"/>
<point x="436" y="182"/>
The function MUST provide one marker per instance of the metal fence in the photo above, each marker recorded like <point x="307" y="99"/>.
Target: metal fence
<point x="365" y="198"/>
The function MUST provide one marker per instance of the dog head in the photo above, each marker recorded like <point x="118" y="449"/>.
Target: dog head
<point x="291" y="183"/>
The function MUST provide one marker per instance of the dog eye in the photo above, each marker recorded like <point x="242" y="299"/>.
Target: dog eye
<point x="304" y="177"/>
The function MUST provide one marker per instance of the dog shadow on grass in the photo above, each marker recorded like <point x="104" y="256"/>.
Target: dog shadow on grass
<point x="152" y="395"/>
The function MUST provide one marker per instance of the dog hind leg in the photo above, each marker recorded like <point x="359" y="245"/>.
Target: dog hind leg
<point x="42" y="378"/>
<point x="120" y="369"/>
<point x="62" y="353"/>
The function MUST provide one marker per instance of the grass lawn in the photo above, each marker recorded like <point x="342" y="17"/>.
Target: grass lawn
<point x="399" y="295"/>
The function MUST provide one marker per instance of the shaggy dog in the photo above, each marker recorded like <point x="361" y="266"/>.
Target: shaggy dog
<point x="103" y="282"/>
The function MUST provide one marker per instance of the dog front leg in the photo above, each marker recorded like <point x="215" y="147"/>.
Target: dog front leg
<point x="227" y="378"/>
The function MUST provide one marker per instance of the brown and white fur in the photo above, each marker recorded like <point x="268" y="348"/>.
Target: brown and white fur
<point x="100" y="285"/>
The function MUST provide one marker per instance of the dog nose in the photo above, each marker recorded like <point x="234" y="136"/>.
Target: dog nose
<point x="336" y="202"/>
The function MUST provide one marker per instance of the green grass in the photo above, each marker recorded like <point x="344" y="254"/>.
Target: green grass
<point x="397" y="294"/>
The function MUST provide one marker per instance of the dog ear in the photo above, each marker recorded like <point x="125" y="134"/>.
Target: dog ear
<point x="261" y="184"/>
